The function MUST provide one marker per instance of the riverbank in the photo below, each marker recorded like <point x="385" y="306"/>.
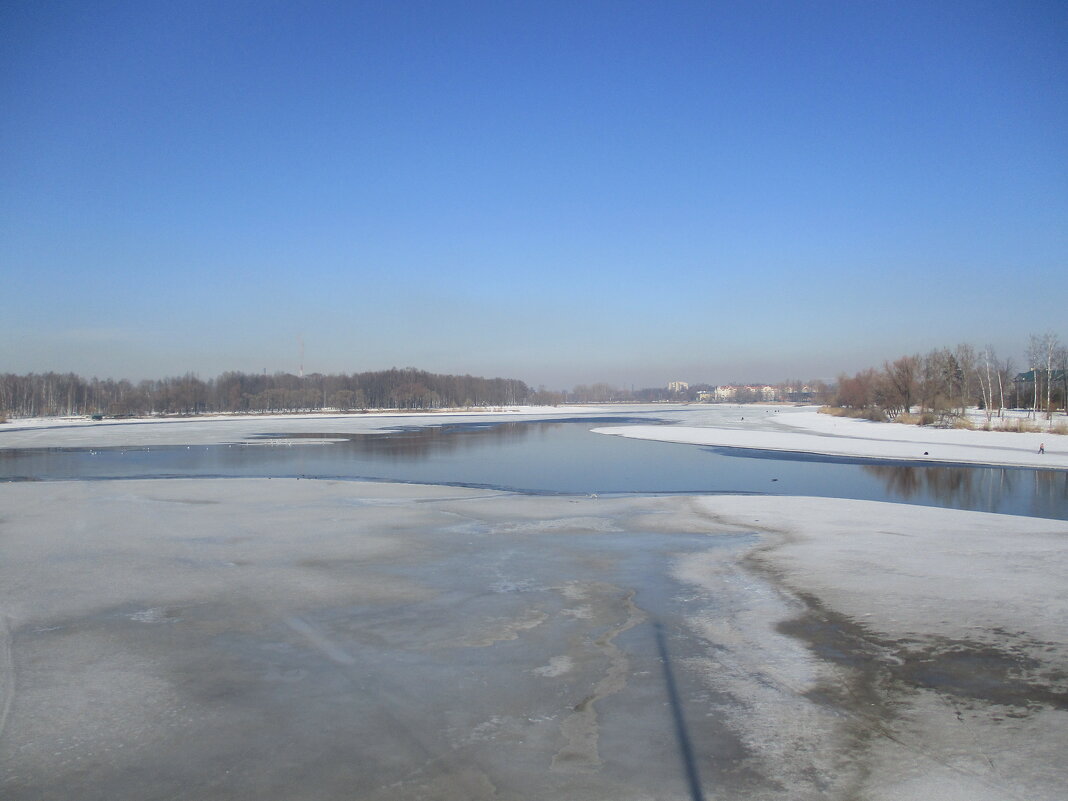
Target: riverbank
<point x="63" y="432"/>
<point x="806" y="431"/>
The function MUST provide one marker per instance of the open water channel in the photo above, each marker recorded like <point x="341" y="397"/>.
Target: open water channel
<point x="555" y="457"/>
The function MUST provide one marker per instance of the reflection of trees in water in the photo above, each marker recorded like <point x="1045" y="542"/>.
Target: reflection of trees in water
<point x="988" y="488"/>
<point x="423" y="442"/>
<point x="971" y="487"/>
<point x="1051" y="488"/>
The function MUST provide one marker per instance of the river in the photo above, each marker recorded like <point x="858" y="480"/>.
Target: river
<point x="552" y="457"/>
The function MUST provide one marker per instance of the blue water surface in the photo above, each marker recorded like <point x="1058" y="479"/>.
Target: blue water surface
<point x="556" y="456"/>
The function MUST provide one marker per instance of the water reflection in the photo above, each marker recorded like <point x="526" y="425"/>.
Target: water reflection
<point x="944" y="483"/>
<point x="992" y="489"/>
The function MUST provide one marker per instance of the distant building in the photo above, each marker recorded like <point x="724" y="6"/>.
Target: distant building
<point x="746" y="393"/>
<point x="1025" y="383"/>
<point x="678" y="386"/>
<point x="800" y="394"/>
<point x="1028" y="378"/>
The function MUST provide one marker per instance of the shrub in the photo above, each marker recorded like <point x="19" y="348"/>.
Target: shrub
<point x="870" y="413"/>
<point x="1018" y="425"/>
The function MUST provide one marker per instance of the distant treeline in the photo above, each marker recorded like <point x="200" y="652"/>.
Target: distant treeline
<point x="48" y="394"/>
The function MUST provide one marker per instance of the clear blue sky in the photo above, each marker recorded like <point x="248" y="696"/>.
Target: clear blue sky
<point x="630" y="192"/>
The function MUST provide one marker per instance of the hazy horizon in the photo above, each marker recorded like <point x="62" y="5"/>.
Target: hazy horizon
<point x="561" y="193"/>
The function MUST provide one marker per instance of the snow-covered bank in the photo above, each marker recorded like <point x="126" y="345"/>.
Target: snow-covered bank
<point x="283" y="638"/>
<point x="62" y="432"/>
<point x="951" y="628"/>
<point x="806" y="431"/>
<point x="80" y="421"/>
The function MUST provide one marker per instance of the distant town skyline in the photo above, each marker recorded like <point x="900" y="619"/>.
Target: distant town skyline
<point x="560" y="193"/>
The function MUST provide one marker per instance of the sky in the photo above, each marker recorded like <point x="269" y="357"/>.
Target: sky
<point x="560" y="192"/>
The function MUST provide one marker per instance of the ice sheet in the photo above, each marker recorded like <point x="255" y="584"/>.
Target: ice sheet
<point x="284" y="639"/>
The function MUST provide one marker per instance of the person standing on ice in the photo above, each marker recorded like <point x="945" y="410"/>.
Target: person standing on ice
<point x="1042" y="447"/>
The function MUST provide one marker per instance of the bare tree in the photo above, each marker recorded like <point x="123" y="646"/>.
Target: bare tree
<point x="1040" y="353"/>
<point x="969" y="368"/>
<point x="857" y="392"/>
<point x="1051" y="345"/>
<point x="992" y="371"/>
<point x="1060" y="358"/>
<point x="902" y="378"/>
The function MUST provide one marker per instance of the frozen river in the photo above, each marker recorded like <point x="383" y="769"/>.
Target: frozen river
<point x="553" y="457"/>
<point x="511" y="609"/>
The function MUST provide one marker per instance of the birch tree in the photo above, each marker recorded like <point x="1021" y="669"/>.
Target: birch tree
<point x="1041" y="353"/>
